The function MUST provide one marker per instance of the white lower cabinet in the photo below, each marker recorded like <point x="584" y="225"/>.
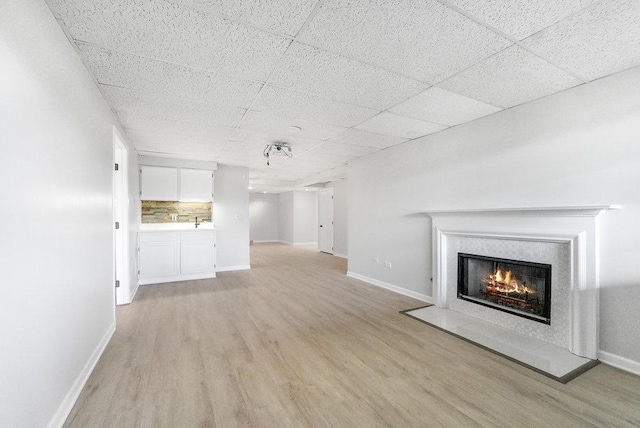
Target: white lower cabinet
<point x="176" y="256"/>
<point x="197" y="252"/>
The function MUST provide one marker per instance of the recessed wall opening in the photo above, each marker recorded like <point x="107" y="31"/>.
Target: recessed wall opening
<point x="522" y="288"/>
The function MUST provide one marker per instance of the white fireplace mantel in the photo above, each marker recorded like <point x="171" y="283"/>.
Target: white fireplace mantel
<point x="570" y="211"/>
<point x="576" y="226"/>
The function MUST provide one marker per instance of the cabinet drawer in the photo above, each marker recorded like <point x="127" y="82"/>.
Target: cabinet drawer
<point x="205" y="235"/>
<point x="158" y="236"/>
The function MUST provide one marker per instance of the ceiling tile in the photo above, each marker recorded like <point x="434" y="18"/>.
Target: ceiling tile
<point x="310" y="70"/>
<point x="156" y="106"/>
<point x="439" y="106"/>
<point x="423" y="39"/>
<point x="399" y="126"/>
<point x="367" y="139"/>
<point x="326" y="159"/>
<point x="148" y="141"/>
<point x="295" y="104"/>
<point x="163" y="30"/>
<point x="148" y="75"/>
<point x="133" y="120"/>
<point x="521" y="18"/>
<point x="343" y="149"/>
<point x="150" y="137"/>
<point x="271" y="123"/>
<point x="511" y="77"/>
<point x="236" y="147"/>
<point x="596" y="42"/>
<point x="283" y="16"/>
<point x="261" y="139"/>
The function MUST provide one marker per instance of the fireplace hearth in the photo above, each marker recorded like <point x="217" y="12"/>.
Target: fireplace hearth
<point x="522" y="288"/>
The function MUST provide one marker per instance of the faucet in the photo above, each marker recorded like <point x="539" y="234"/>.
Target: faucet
<point x="197" y="224"/>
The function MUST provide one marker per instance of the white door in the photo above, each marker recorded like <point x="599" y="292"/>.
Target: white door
<point x="325" y="220"/>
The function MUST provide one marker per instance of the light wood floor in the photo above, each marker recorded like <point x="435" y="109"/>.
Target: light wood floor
<point x="294" y="342"/>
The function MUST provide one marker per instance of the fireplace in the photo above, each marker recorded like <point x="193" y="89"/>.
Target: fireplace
<point x="522" y="288"/>
<point x="564" y="237"/>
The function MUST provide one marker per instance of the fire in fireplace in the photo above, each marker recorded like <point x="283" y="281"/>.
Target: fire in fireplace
<point x="519" y="287"/>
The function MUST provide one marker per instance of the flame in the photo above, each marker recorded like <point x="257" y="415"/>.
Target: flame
<point x="505" y="282"/>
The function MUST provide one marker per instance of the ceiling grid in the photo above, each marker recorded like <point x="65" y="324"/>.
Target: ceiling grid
<point x="218" y="80"/>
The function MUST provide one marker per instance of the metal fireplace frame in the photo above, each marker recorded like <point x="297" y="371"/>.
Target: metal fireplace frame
<point x="545" y="318"/>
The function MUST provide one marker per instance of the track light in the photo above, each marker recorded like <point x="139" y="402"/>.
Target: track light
<point x="278" y="148"/>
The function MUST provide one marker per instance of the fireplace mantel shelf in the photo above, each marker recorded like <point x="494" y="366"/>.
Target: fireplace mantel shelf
<point x="568" y="211"/>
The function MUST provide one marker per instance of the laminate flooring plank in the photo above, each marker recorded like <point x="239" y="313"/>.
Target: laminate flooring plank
<point x="293" y="342"/>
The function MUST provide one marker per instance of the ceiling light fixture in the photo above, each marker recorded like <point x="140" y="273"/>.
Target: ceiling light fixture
<point x="277" y="148"/>
<point x="294" y="128"/>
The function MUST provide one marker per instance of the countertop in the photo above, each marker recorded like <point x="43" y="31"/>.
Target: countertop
<point x="175" y="227"/>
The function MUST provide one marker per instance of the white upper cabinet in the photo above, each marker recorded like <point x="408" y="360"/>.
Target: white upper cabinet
<point x="196" y="185"/>
<point x="158" y="183"/>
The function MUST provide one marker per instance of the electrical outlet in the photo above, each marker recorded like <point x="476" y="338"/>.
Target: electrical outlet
<point x="387" y="264"/>
<point x="375" y="260"/>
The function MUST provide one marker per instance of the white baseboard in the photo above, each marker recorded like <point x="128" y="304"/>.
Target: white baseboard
<point x="230" y="268"/>
<point x="298" y="243"/>
<point x="265" y="241"/>
<point x="133" y="293"/>
<point x="395" y="288"/>
<point x="619" y="362"/>
<point x="343" y="256"/>
<point x="69" y="401"/>
<point x="178" y="278"/>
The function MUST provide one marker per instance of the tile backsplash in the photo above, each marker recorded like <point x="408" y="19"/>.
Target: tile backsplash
<point x="161" y="211"/>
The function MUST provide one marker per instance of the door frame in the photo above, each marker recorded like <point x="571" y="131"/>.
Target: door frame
<point x="121" y="264"/>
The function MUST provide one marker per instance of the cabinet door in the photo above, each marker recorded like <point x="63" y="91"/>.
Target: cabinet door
<point x="158" y="259"/>
<point x="196" y="185"/>
<point x="197" y="252"/>
<point x="158" y="183"/>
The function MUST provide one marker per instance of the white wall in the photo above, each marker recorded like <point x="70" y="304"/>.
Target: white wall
<point x="579" y="147"/>
<point x="298" y="217"/>
<point x="263" y="214"/>
<point x="57" y="309"/>
<point x="285" y="219"/>
<point x="231" y="217"/>
<point x="305" y="217"/>
<point x="340" y="217"/>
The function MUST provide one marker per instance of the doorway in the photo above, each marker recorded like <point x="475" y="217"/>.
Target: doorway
<point x="325" y="220"/>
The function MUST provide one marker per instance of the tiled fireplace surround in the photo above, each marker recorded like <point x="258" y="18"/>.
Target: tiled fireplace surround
<point x="566" y="238"/>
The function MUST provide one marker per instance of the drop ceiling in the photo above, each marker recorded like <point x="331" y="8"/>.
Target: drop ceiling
<point x="219" y="80"/>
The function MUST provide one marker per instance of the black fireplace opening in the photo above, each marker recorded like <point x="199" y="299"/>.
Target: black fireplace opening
<point x="519" y="287"/>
